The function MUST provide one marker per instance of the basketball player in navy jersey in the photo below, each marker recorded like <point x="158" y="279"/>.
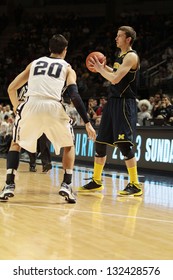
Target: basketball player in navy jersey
<point x="43" y="112"/>
<point x="118" y="122"/>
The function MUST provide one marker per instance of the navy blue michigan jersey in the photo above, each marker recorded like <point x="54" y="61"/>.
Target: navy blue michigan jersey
<point x="127" y="87"/>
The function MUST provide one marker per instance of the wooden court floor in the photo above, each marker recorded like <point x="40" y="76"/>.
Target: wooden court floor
<point x="37" y="224"/>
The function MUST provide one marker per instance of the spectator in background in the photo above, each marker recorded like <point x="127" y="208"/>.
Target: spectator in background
<point x="8" y="110"/>
<point x="5" y="110"/>
<point x="98" y="120"/>
<point x="1" y="113"/>
<point x="4" y="127"/>
<point x="144" y="111"/>
<point x="151" y="100"/>
<point x="99" y="111"/>
<point x="102" y="102"/>
<point x="164" y="110"/>
<point x="171" y="100"/>
<point x="91" y="110"/>
<point x="6" y="130"/>
<point x="156" y="104"/>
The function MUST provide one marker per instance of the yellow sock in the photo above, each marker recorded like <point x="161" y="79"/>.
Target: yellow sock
<point x="98" y="168"/>
<point x="133" y="175"/>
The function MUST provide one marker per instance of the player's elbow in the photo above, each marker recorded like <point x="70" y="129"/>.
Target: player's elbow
<point x="11" y="88"/>
<point x="115" y="80"/>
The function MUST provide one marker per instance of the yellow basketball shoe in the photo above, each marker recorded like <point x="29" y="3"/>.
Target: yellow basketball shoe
<point x="131" y="190"/>
<point x="92" y="186"/>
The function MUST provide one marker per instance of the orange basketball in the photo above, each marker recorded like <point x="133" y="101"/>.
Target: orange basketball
<point x="100" y="57"/>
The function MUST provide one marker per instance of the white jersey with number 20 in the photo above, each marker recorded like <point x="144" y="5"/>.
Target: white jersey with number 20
<point x="47" y="77"/>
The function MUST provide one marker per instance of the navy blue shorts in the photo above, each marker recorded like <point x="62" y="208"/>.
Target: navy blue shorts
<point x="118" y="122"/>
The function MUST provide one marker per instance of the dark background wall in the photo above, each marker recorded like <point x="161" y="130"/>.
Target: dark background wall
<point x="153" y="21"/>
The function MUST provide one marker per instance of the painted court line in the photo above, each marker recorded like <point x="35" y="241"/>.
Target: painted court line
<point x="93" y="212"/>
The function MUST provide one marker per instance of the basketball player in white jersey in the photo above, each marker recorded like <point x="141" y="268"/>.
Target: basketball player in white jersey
<point x="43" y="144"/>
<point x="43" y="112"/>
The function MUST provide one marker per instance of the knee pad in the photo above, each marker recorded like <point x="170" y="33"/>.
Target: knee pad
<point x="126" y="150"/>
<point x="100" y="150"/>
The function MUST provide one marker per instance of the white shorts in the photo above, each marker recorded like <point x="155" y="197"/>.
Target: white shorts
<point x="35" y="117"/>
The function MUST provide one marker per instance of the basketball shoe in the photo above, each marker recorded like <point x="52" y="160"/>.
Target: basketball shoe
<point x="46" y="167"/>
<point x="131" y="190"/>
<point x="32" y="168"/>
<point x="92" y="186"/>
<point x="7" y="191"/>
<point x="66" y="191"/>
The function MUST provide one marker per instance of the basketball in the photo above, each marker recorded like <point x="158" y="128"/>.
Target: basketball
<point x="100" y="57"/>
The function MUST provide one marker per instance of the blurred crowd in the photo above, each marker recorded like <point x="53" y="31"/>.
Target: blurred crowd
<point x="153" y="44"/>
<point x="6" y="127"/>
<point x="32" y="32"/>
<point x="157" y="110"/>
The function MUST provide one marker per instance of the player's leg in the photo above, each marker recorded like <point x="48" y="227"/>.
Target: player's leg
<point x="68" y="164"/>
<point x="32" y="161"/>
<point x="99" y="161"/>
<point x="12" y="166"/>
<point x="44" y="149"/>
<point x="133" y="188"/>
